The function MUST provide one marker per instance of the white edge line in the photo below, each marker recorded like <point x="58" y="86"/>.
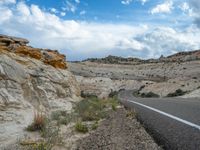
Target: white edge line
<point x="168" y="115"/>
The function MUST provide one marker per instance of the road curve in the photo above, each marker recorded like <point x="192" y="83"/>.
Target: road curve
<point x="173" y="122"/>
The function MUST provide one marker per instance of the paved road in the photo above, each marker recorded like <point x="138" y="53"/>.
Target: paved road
<point x="173" y="122"/>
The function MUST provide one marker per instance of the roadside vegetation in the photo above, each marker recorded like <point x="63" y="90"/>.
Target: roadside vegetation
<point x="85" y="117"/>
<point x="145" y="95"/>
<point x="91" y="110"/>
<point x="48" y="131"/>
<point x="178" y="92"/>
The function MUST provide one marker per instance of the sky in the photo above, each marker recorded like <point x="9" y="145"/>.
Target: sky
<point x="83" y="29"/>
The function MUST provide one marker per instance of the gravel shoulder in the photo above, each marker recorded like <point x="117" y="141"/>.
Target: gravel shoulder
<point x="120" y="130"/>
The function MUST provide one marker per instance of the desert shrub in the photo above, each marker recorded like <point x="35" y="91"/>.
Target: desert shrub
<point x="64" y="120"/>
<point x="130" y="114"/>
<point x="80" y="127"/>
<point x="90" y="109"/>
<point x="95" y="125"/>
<point x="51" y="135"/>
<point x="38" y="123"/>
<point x="114" y="107"/>
<point x="62" y="117"/>
<point x="136" y="93"/>
<point x="178" y="92"/>
<point x="93" y="108"/>
<point x="39" y="146"/>
<point x="149" y="95"/>
<point x="113" y="94"/>
<point x="87" y="95"/>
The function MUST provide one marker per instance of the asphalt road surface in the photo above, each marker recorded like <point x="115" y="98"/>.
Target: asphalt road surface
<point x="173" y="122"/>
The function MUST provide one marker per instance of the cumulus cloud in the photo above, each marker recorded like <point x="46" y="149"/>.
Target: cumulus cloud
<point x="7" y="2"/>
<point x="195" y="4"/>
<point x="83" y="12"/>
<point x="165" y="40"/>
<point x="166" y="7"/>
<point x="77" y="1"/>
<point x="69" y="6"/>
<point x="184" y="6"/>
<point x="81" y="39"/>
<point x="62" y="14"/>
<point x="143" y="1"/>
<point x="53" y="10"/>
<point x="126" y="2"/>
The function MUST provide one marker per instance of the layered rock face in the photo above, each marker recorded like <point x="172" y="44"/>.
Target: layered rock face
<point x="31" y="80"/>
<point x="19" y="46"/>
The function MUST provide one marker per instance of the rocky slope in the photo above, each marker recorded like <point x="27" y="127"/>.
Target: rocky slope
<point x="161" y="78"/>
<point x="31" y="80"/>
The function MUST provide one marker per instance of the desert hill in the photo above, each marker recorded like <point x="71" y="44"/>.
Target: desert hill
<point x="178" y="57"/>
<point x="162" y="76"/>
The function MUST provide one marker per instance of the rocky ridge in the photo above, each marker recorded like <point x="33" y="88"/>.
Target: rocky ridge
<point x="178" y="57"/>
<point x="31" y="80"/>
<point x="19" y="47"/>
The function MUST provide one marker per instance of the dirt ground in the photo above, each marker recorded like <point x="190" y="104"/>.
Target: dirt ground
<point x="120" y="131"/>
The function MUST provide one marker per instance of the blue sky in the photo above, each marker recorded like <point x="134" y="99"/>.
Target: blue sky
<point x="97" y="28"/>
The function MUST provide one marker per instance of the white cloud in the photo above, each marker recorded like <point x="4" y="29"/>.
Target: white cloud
<point x="83" y="12"/>
<point x="166" y="7"/>
<point x="62" y="14"/>
<point x="126" y="2"/>
<point x="77" y="1"/>
<point x="23" y="9"/>
<point x="195" y="9"/>
<point x="184" y="6"/>
<point x="7" y="2"/>
<point x="143" y="1"/>
<point x="70" y="7"/>
<point x="6" y="15"/>
<point x="165" y="40"/>
<point x="81" y="39"/>
<point x="53" y="10"/>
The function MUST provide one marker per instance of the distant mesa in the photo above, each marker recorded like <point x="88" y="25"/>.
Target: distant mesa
<point x="178" y="57"/>
<point x="19" y="47"/>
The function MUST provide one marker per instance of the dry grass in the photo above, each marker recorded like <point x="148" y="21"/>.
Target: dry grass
<point x="38" y="123"/>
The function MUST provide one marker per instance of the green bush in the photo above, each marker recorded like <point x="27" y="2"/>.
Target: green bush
<point x="113" y="94"/>
<point x="93" y="108"/>
<point x="90" y="109"/>
<point x="80" y="127"/>
<point x="178" y="92"/>
<point x="95" y="125"/>
<point x="149" y="95"/>
<point x="114" y="107"/>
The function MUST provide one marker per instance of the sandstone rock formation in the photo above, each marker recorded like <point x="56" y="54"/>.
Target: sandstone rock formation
<point x="102" y="87"/>
<point x="19" y="46"/>
<point x="31" y="80"/>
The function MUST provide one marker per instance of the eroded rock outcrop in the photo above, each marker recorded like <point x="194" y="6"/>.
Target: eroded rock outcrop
<point x="19" y="46"/>
<point x="31" y="80"/>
